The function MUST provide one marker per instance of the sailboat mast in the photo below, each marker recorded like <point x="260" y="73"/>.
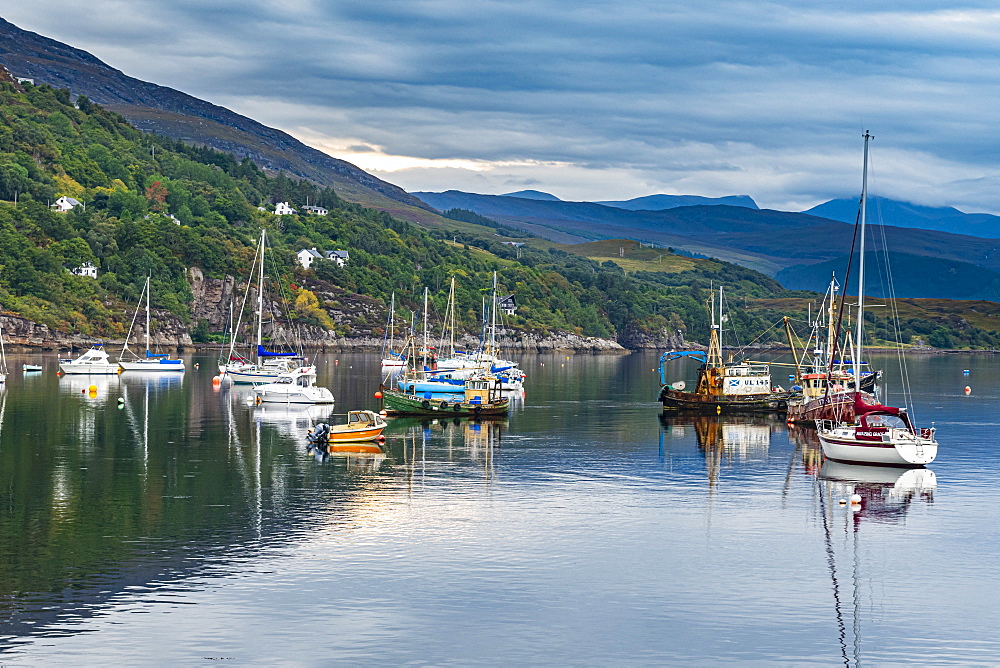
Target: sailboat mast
<point x="861" y="271"/>
<point x="493" y="319"/>
<point x="260" y="296"/>
<point x="451" y="342"/>
<point x="147" y="316"/>
<point x="425" y="325"/>
<point x="392" y="323"/>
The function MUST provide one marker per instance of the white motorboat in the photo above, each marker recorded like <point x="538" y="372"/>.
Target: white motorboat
<point x="295" y="387"/>
<point x="94" y="361"/>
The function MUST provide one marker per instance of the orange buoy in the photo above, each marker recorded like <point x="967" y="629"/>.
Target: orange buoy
<point x="378" y="395"/>
<point x="83" y="391"/>
<point x="216" y="380"/>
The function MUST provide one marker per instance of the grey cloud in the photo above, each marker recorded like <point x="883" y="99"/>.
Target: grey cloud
<point x="772" y="96"/>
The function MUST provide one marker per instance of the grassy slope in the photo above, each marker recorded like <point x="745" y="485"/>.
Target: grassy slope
<point x="982" y="314"/>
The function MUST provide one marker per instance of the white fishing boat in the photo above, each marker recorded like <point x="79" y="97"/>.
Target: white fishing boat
<point x="877" y="434"/>
<point x="158" y="362"/>
<point x="31" y="368"/>
<point x="269" y="365"/>
<point x="295" y="387"/>
<point x="95" y="361"/>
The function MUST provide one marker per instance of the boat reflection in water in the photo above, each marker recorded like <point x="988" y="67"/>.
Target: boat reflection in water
<point x="95" y="389"/>
<point x="722" y="439"/>
<point x="807" y="442"/>
<point x="853" y="547"/>
<point x="477" y="439"/>
<point x="292" y="421"/>
<point x="886" y="492"/>
<point x="359" y="457"/>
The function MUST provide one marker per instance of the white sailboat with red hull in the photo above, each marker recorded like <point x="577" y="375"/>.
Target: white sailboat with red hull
<point x="876" y="434"/>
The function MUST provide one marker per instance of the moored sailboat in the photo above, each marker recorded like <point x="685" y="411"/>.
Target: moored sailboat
<point x="158" y="362"/>
<point x="269" y="365"/>
<point x="877" y="434"/>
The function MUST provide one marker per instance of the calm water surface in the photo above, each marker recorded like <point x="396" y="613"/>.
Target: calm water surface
<point x="189" y="527"/>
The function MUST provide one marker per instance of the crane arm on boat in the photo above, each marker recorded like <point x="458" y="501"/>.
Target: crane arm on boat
<point x="699" y="355"/>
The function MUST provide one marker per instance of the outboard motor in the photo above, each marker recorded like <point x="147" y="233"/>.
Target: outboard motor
<point x="319" y="433"/>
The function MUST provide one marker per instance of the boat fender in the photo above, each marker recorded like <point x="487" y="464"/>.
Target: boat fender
<point x="258" y="401"/>
<point x="457" y="408"/>
<point x="425" y="404"/>
<point x="444" y="405"/>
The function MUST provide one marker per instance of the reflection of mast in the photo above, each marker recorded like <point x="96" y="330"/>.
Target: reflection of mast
<point x="257" y="486"/>
<point x="832" y="565"/>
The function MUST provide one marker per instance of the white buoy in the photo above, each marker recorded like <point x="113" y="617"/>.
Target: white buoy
<point x="855" y="499"/>
<point x="843" y="502"/>
<point x="968" y="390"/>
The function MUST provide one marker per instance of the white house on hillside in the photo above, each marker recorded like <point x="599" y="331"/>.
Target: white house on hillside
<point x="86" y="269"/>
<point x="318" y="210"/>
<point x="283" y="209"/>
<point x="307" y="256"/>
<point x="507" y="305"/>
<point x="64" y="204"/>
<point x="340" y="257"/>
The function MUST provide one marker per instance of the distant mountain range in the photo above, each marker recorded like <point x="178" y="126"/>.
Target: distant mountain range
<point x="178" y="115"/>
<point x="904" y="214"/>
<point x="661" y="202"/>
<point x="778" y="243"/>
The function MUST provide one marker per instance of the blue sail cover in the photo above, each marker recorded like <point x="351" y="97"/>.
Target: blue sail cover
<point x="262" y="352"/>
<point x="150" y="355"/>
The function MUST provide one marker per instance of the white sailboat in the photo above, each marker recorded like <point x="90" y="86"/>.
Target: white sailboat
<point x="269" y="365"/>
<point x="151" y="361"/>
<point x="392" y="361"/>
<point x="878" y="434"/>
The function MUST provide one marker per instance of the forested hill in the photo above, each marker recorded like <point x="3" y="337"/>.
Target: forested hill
<point x="151" y="205"/>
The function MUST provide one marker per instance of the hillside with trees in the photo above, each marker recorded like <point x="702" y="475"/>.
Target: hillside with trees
<point x="152" y="205"/>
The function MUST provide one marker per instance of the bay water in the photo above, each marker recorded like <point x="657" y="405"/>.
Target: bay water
<point x="184" y="525"/>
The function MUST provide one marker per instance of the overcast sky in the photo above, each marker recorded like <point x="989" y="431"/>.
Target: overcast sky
<point x="590" y="100"/>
